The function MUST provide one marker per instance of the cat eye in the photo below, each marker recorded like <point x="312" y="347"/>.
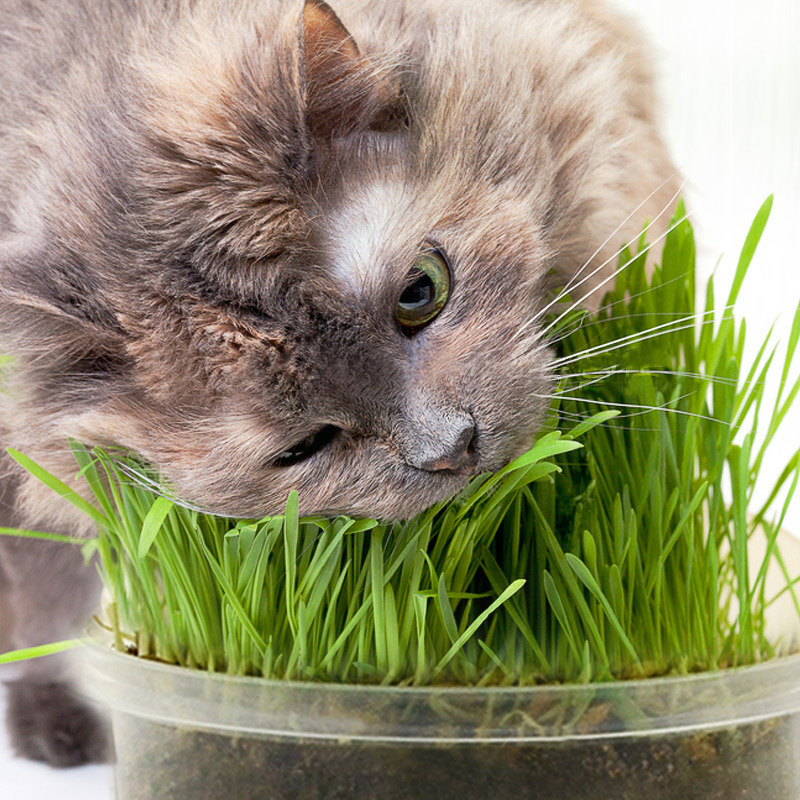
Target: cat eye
<point x="306" y="448"/>
<point x="427" y="290"/>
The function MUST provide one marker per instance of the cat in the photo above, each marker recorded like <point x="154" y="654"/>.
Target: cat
<point x="272" y="245"/>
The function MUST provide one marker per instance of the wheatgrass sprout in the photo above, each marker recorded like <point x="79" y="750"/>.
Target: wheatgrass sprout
<point x="617" y="547"/>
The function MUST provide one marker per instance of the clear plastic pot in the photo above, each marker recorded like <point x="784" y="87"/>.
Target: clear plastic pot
<point x="188" y="735"/>
<point x="182" y="734"/>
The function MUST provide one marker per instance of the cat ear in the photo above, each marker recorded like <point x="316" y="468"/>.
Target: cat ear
<point x="343" y="90"/>
<point x="328" y="46"/>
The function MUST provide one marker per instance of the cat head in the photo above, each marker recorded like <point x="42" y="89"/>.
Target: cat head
<point x="281" y="253"/>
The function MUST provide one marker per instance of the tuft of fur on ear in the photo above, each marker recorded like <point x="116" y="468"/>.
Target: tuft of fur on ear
<point x="326" y="41"/>
<point x="344" y="91"/>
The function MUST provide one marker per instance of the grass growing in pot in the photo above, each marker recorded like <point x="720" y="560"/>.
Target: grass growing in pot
<point x="616" y="547"/>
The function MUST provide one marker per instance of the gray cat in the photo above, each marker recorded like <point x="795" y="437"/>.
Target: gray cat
<point x="268" y="247"/>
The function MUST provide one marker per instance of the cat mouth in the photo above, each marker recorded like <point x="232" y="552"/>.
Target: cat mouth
<point x="484" y="453"/>
<point x="454" y="451"/>
<point x="463" y="465"/>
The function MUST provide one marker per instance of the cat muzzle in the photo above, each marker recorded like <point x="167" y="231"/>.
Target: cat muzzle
<point x="447" y="444"/>
<point x="461" y="457"/>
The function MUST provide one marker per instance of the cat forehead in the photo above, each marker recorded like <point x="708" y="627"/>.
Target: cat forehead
<point x="373" y="222"/>
<point x="375" y="226"/>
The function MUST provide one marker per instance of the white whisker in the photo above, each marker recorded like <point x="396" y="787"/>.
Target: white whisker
<point x="664" y="407"/>
<point x="677" y="373"/>
<point x="591" y="382"/>
<point x="639" y="336"/>
<point x="611" y="277"/>
<point x="570" y="284"/>
<point x="620" y="226"/>
<point x="147" y="483"/>
<point x="624" y="342"/>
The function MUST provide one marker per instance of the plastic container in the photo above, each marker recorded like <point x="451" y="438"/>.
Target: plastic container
<point x="187" y="735"/>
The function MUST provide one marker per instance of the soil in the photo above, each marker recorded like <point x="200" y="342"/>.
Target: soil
<point x="754" y="762"/>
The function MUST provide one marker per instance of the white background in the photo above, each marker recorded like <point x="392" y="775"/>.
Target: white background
<point x="730" y="76"/>
<point x="730" y="79"/>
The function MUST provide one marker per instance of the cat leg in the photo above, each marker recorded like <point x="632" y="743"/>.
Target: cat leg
<point x="53" y="594"/>
<point x="50" y="722"/>
<point x="5" y="613"/>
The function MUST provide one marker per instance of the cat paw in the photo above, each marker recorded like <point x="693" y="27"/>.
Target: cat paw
<point x="49" y="722"/>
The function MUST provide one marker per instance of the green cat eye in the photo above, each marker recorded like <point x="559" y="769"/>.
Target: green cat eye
<point x="427" y="290"/>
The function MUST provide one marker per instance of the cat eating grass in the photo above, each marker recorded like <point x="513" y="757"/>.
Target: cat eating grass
<point x="272" y="245"/>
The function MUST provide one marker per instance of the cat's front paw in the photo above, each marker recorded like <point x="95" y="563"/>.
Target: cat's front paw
<point x="49" y="722"/>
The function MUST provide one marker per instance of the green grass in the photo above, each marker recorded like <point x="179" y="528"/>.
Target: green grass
<point x="616" y="547"/>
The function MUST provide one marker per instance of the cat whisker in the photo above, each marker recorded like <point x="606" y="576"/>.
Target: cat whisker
<point x="625" y="341"/>
<point x="147" y="483"/>
<point x="622" y="224"/>
<point x="543" y="333"/>
<point x="599" y="377"/>
<point x="695" y="375"/>
<point x="673" y="326"/>
<point x="568" y="330"/>
<point x="645" y="409"/>
<point x="609" y="423"/>
<point x="626" y="300"/>
<point x="611" y="277"/>
<point x="582" y="324"/>
<point x="617" y="230"/>
<point x="570" y="285"/>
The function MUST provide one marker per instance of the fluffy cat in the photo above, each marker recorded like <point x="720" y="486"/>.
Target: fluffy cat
<point x="268" y="246"/>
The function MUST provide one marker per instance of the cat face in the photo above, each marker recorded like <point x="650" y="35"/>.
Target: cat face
<point x="330" y="249"/>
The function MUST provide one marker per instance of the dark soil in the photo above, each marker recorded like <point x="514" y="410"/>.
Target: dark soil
<point x="756" y="762"/>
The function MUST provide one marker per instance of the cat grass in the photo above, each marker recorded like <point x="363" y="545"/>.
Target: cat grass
<point x="617" y="547"/>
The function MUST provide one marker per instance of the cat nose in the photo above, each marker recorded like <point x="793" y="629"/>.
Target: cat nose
<point x="456" y="451"/>
<point x="454" y="456"/>
<point x="436" y="437"/>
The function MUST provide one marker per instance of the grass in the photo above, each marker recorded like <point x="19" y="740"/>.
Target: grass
<point x="616" y="547"/>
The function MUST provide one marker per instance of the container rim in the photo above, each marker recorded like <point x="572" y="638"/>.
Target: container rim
<point x="777" y="664"/>
<point x="182" y="696"/>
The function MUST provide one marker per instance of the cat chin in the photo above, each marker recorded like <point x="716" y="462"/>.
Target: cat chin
<point x="400" y="506"/>
<point x="407" y="494"/>
<point x="433" y="487"/>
